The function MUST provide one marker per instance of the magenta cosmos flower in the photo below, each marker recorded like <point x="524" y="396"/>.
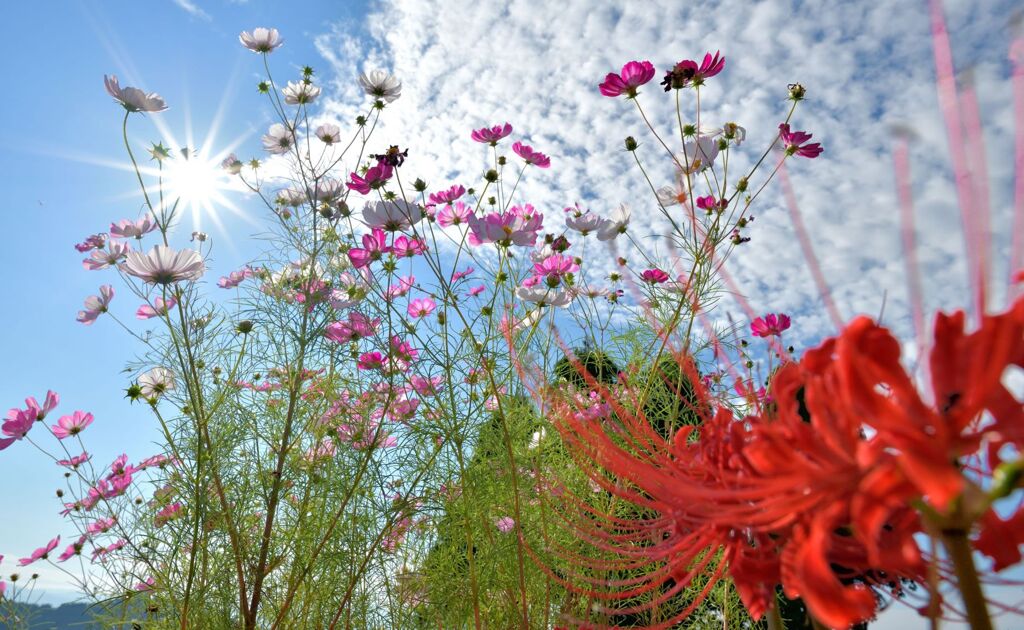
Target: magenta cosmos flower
<point x="518" y="226"/>
<point x="261" y="40"/>
<point x="164" y="265"/>
<point x="16" y="426"/>
<point x="688" y="72"/>
<point x="374" y="178"/>
<point x="374" y="247"/>
<point x="633" y="75"/>
<point x="654" y="276"/>
<point x="771" y="325"/>
<point x="95" y="305"/>
<point x="454" y="215"/>
<point x="794" y="142"/>
<point x="357" y="327"/>
<point x="40" y="554"/>
<point x="74" y="424"/>
<point x="447" y="196"/>
<point x="536" y="158"/>
<point x="491" y="135"/>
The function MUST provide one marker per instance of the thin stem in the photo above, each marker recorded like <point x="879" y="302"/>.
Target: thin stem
<point x="959" y="549"/>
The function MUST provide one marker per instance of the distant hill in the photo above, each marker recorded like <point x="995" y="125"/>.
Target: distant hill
<point x="46" y="617"/>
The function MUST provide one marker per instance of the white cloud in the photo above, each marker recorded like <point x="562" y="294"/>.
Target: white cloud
<point x="866" y="65"/>
<point x="192" y="8"/>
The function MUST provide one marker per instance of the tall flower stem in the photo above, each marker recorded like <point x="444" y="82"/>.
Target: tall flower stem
<point x="959" y="550"/>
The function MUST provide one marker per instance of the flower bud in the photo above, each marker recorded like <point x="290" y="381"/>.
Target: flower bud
<point x="501" y="160"/>
<point x="492" y="201"/>
<point x="60" y="493"/>
<point x="631" y="144"/>
<point x="244" y="327"/>
<point x="741" y="185"/>
<point x="491" y="176"/>
<point x="797" y="92"/>
<point x="419" y="185"/>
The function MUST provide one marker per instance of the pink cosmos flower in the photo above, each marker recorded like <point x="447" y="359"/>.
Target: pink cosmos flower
<point x="459" y="275"/>
<point x="710" y="204"/>
<point x="133" y="99"/>
<point x="159" y="308"/>
<point x="164" y="265"/>
<point x="536" y="158"/>
<point x="403" y="410"/>
<point x="426" y="386"/>
<point x="235" y="278"/>
<point x="352" y="288"/>
<point x="771" y="325"/>
<point x="794" y="142"/>
<point x="357" y="327"/>
<point x="654" y="276"/>
<point x="505" y="524"/>
<point x="553" y="268"/>
<point x="126" y="228"/>
<point x="261" y="40"/>
<point x="518" y="226"/>
<point x="75" y="461"/>
<point x="374" y="178"/>
<point x="100" y="526"/>
<point x="402" y="287"/>
<point x="156" y="382"/>
<point x="96" y="241"/>
<point x="491" y="135"/>
<point x="96" y="305"/>
<point x="447" y="196"/>
<point x="17" y="425"/>
<point x="49" y="404"/>
<point x="373" y="249"/>
<point x="168" y="513"/>
<point x="370" y="361"/>
<point x="74" y="549"/>
<point x="145" y="585"/>
<point x="687" y="72"/>
<point x="324" y="449"/>
<point x="392" y="216"/>
<point x="405" y="247"/>
<point x="477" y="290"/>
<point x="40" y="554"/>
<point x="100" y="552"/>
<point x="232" y="164"/>
<point x="584" y="223"/>
<point x="633" y="75"/>
<point x="421" y="307"/>
<point x="278" y="140"/>
<point x="454" y="215"/>
<point x="74" y="424"/>
<point x="101" y="259"/>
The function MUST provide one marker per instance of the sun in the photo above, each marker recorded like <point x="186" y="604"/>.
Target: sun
<point x="193" y="179"/>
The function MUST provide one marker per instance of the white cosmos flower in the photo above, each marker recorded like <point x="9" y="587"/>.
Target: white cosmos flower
<point x="698" y="155"/>
<point x="538" y="437"/>
<point x="545" y="296"/>
<point x="261" y="40"/>
<point x="585" y="223"/>
<point x="391" y="215"/>
<point x="156" y="382"/>
<point x="300" y="93"/>
<point x="133" y="99"/>
<point x="328" y="133"/>
<point x="164" y="265"/>
<point x="380" y="84"/>
<point x="617" y="224"/>
<point x="279" y="139"/>
<point x="673" y="195"/>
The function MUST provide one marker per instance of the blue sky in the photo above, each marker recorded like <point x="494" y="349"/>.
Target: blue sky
<point x="867" y="65"/>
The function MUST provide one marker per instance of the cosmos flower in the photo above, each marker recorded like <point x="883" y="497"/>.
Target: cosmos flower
<point x="328" y="133"/>
<point x="232" y="164"/>
<point x="261" y="40"/>
<point x="391" y="216"/>
<point x="16" y="426"/>
<point x="794" y="142"/>
<point x="447" y="196"/>
<point x="421" y="307"/>
<point x="159" y="308"/>
<point x="536" y="158"/>
<point x="133" y="99"/>
<point x="616" y="224"/>
<point x="103" y="258"/>
<point x="698" y="154"/>
<point x="687" y="72"/>
<point x="373" y="249"/>
<point x="633" y="75"/>
<point x="357" y="327"/>
<point x="584" y="223"/>
<point x="40" y="554"/>
<point x="278" y="140"/>
<point x="73" y="424"/>
<point x="156" y="382"/>
<point x="126" y="228"/>
<point x="491" y="135"/>
<point x="300" y="93"/>
<point x="505" y="524"/>
<point x="164" y="265"/>
<point x="380" y="84"/>
<point x="456" y="214"/>
<point x="96" y="305"/>
<point x="654" y="276"/>
<point x="96" y="241"/>
<point x="771" y="325"/>
<point x="375" y="177"/>
<point x="235" y="278"/>
<point x="544" y="296"/>
<point x="518" y="226"/>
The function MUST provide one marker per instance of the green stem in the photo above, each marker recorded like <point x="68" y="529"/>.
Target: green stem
<point x="959" y="549"/>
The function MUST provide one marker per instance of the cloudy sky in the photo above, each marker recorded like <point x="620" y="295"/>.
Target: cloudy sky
<point x="868" y="66"/>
